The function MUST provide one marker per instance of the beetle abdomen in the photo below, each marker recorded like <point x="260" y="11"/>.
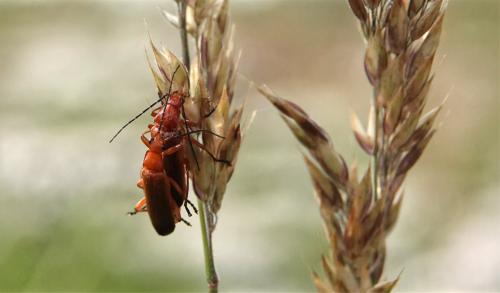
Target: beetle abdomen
<point x="161" y="207"/>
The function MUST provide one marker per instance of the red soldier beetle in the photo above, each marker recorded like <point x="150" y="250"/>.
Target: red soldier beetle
<point x="158" y="202"/>
<point x="165" y="171"/>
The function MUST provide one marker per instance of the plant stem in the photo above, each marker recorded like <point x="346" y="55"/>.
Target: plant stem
<point x="206" y="235"/>
<point x="181" y="4"/>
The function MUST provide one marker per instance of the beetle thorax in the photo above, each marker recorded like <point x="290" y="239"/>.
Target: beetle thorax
<point x="169" y="116"/>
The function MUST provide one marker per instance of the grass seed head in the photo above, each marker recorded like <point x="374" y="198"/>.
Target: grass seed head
<point x="402" y="38"/>
<point x="213" y="76"/>
<point x="210" y="84"/>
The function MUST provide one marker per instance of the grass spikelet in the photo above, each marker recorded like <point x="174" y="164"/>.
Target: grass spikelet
<point x="210" y="77"/>
<point x="212" y="84"/>
<point x="213" y="74"/>
<point x="402" y="38"/>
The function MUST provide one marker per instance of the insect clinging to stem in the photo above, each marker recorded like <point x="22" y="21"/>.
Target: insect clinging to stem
<point x="165" y="171"/>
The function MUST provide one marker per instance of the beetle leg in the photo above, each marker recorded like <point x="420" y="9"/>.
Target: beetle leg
<point x="145" y="140"/>
<point x="186" y="167"/>
<point x="184" y="192"/>
<point x="192" y="206"/>
<point x="140" y="183"/>
<point x="172" y="150"/>
<point x="186" y="222"/>
<point x="175" y="185"/>
<point x="187" y="201"/>
<point x="155" y="111"/>
<point x="201" y="146"/>
<point x="140" y="207"/>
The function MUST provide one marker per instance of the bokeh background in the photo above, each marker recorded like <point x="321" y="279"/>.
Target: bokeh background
<point x="72" y="72"/>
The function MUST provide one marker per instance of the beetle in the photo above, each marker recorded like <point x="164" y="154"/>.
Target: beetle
<point x="163" y="211"/>
<point x="164" y="176"/>
<point x="165" y="170"/>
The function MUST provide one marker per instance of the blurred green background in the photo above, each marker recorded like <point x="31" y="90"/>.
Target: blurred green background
<point x="72" y="72"/>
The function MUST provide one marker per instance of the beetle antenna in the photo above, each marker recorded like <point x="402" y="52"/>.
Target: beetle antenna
<point x="137" y="116"/>
<point x="199" y="131"/>
<point x="190" y="142"/>
<point x="167" y="96"/>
